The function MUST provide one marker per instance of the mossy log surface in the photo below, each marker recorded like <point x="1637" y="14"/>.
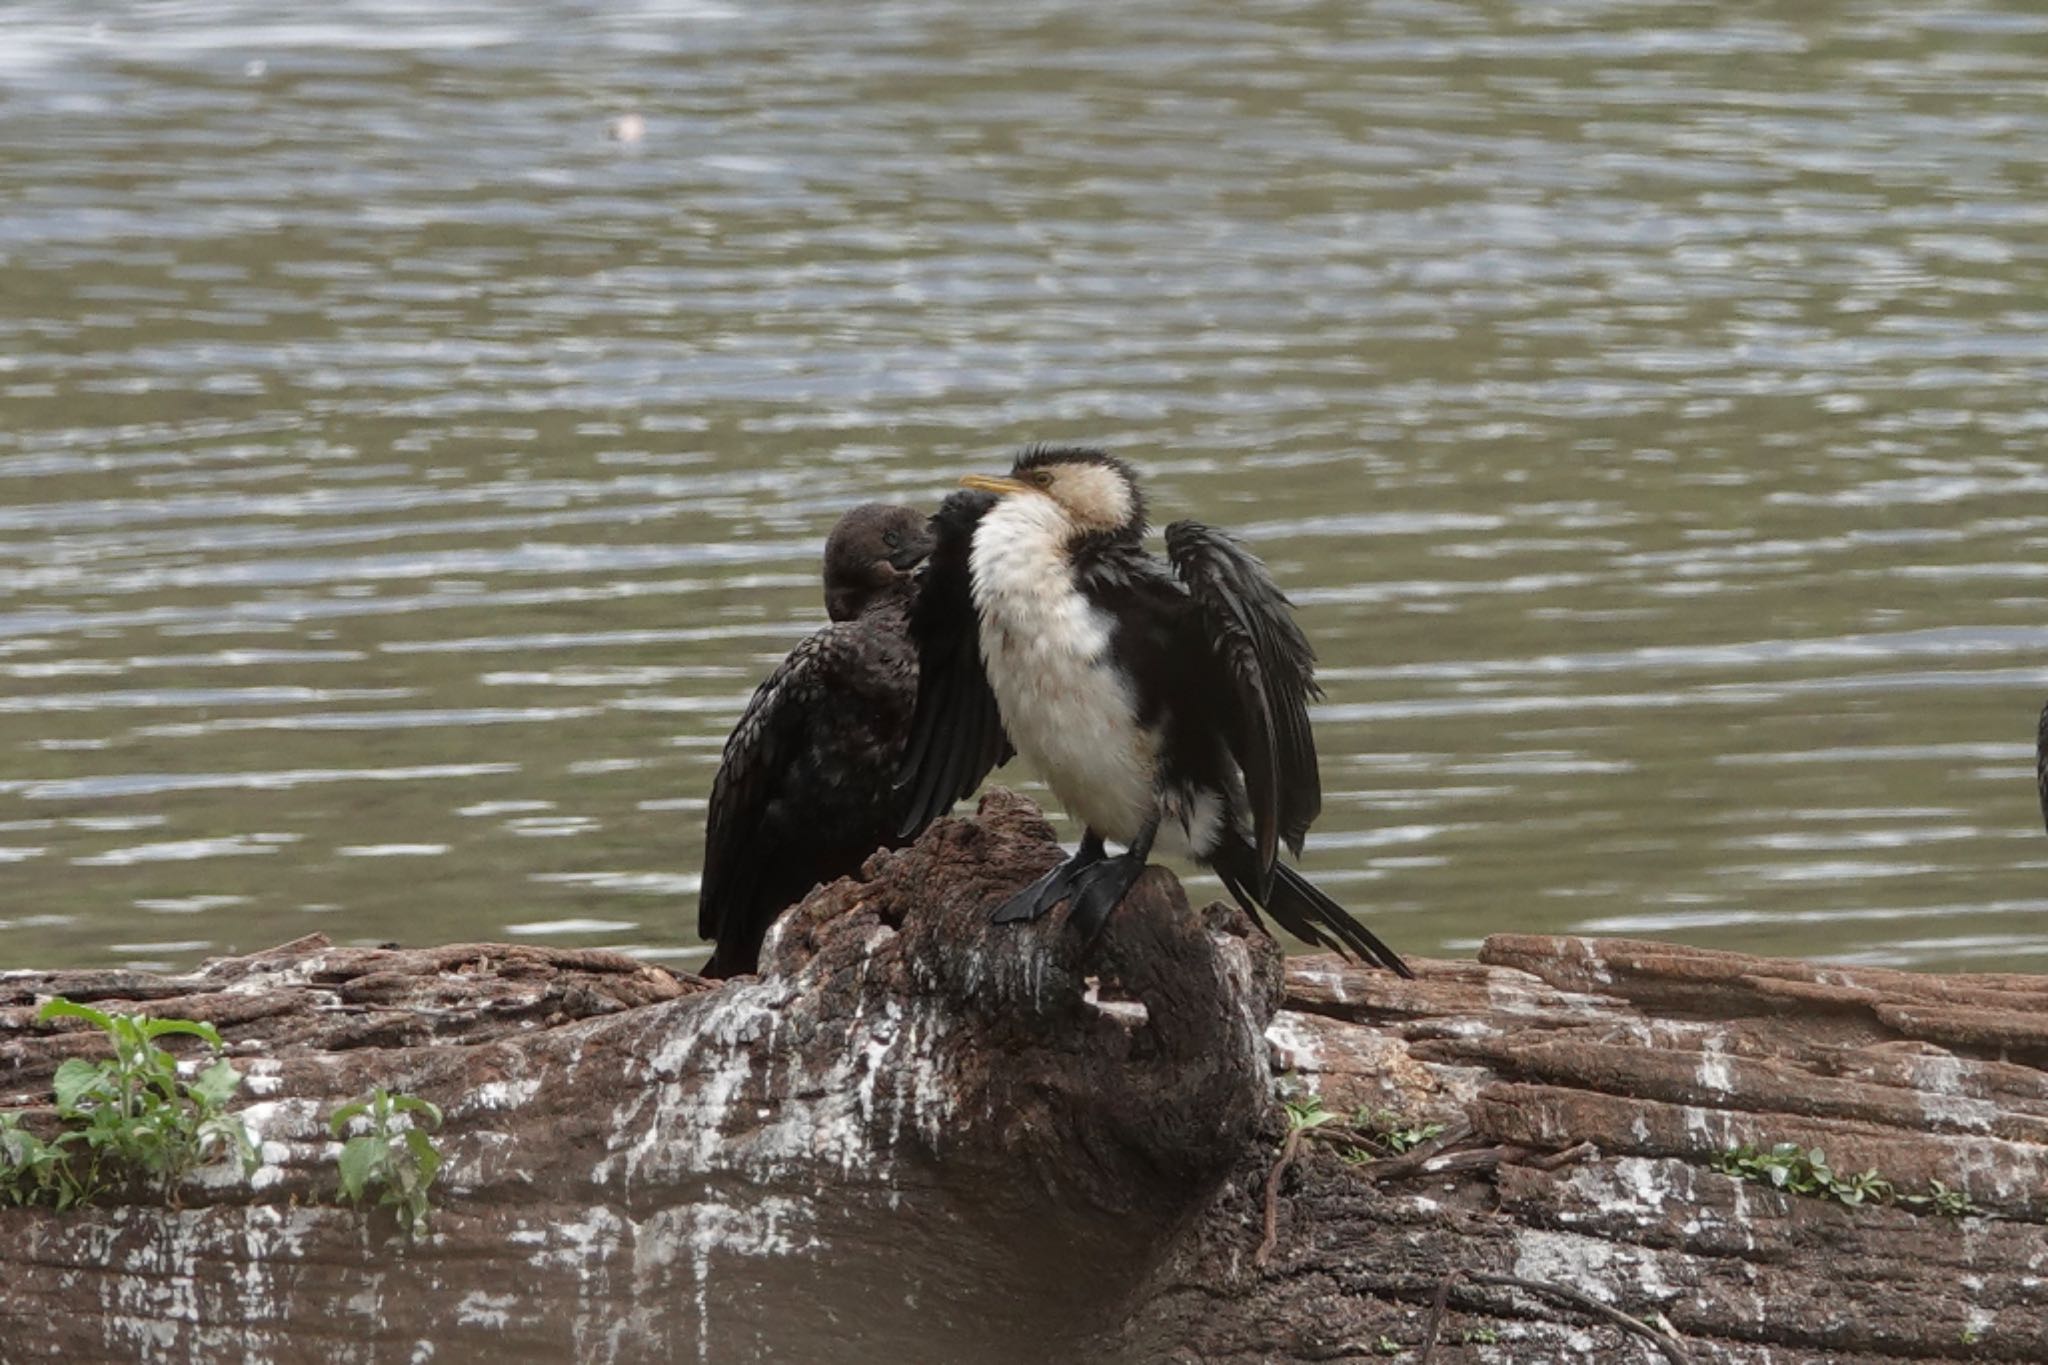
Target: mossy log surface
<point x="919" y="1137"/>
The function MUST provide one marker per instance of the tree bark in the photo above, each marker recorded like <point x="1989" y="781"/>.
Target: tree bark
<point x="919" y="1137"/>
<point x="1595" y="1083"/>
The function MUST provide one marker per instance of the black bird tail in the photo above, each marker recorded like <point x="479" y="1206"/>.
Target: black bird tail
<point x="1299" y="906"/>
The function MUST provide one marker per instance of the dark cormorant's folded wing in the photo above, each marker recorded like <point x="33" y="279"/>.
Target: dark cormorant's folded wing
<point x="1270" y="671"/>
<point x="738" y="836"/>
<point x="956" y="734"/>
<point x="2041" y="763"/>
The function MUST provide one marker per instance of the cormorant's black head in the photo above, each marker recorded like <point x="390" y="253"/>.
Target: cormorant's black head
<point x="870" y="555"/>
<point x="1095" y="491"/>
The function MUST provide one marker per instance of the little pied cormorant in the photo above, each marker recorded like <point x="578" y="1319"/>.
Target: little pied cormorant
<point x="1158" y="704"/>
<point x="804" y="792"/>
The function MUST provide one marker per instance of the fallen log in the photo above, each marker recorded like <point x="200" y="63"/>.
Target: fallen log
<point x="918" y="1137"/>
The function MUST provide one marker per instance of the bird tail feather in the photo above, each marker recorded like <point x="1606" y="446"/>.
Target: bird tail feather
<point x="1300" y="907"/>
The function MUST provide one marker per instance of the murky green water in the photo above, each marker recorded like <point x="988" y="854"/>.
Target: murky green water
<point x="402" y="482"/>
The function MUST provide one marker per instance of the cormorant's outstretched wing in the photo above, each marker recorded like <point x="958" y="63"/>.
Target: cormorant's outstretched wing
<point x="2041" y="763"/>
<point x="956" y="735"/>
<point x="1249" y="625"/>
<point x="738" y="838"/>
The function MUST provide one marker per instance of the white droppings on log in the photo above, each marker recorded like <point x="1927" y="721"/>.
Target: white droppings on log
<point x="261" y="1076"/>
<point x="1646" y="1181"/>
<point x="696" y="1105"/>
<point x="1958" y="1111"/>
<point x="1716" y="1074"/>
<point x="1330" y="978"/>
<point x="1994" y="1169"/>
<point x="367" y="1300"/>
<point x="1131" y="1013"/>
<point x="500" y="1095"/>
<point x="1584" y="1263"/>
<point x="1710" y="1129"/>
<point x="481" y="1309"/>
<point x="1615" y="1273"/>
<point x="1293" y="1048"/>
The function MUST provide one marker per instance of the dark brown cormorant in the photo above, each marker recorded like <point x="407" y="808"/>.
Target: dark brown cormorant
<point x="804" y="792"/>
<point x="1157" y="703"/>
<point x="2041" y="764"/>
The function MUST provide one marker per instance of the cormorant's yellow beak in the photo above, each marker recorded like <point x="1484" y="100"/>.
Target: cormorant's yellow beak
<point x="992" y="483"/>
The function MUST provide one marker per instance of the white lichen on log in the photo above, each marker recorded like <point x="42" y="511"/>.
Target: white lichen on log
<point x="919" y="1137"/>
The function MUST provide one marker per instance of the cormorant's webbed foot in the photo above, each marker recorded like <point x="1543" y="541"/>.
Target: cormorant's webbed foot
<point x="1100" y="889"/>
<point x="1042" y="895"/>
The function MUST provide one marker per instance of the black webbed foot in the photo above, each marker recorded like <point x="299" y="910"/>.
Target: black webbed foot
<point x="1042" y="895"/>
<point x="1098" y="890"/>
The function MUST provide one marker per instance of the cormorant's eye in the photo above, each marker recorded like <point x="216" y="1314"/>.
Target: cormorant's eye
<point x="1042" y="477"/>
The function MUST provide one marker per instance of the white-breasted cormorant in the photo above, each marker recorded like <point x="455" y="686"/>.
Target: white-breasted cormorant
<point x="805" y="790"/>
<point x="1158" y="704"/>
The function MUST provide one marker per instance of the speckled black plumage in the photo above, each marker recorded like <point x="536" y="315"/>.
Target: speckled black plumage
<point x="2041" y="764"/>
<point x="805" y="789"/>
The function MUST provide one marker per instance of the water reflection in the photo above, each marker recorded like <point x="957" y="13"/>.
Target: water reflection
<point x="406" y="477"/>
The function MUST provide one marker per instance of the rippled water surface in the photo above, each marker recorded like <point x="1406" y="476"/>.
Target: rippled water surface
<point x="403" y="481"/>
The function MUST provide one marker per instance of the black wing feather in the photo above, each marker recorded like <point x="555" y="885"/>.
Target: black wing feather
<point x="956" y="734"/>
<point x="757" y="754"/>
<point x="1299" y="906"/>
<point x="2041" y="764"/>
<point x="1250" y="625"/>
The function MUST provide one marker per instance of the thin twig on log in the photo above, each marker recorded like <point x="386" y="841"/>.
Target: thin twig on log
<point x="1416" y="1160"/>
<point x="1673" y="1352"/>
<point x="1349" y="1137"/>
<point x="1288" y="1149"/>
<point x="1394" y="1168"/>
<point x="1552" y="1161"/>
<point x="1474" y="1159"/>
<point x="1437" y="1309"/>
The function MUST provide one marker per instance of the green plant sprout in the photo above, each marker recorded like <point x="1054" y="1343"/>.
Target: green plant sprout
<point x="1796" y="1170"/>
<point x="1363" y="1135"/>
<point x="396" y="1156"/>
<point x="128" y="1118"/>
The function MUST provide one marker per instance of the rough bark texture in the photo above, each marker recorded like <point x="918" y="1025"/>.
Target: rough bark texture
<point x="1640" y="1063"/>
<point x="920" y="1138"/>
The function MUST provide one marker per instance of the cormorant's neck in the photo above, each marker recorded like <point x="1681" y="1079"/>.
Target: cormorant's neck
<point x="853" y="604"/>
<point x="1033" y="535"/>
<point x="1022" y="540"/>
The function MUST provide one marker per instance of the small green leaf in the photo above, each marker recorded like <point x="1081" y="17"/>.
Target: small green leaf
<point x="60" y="1008"/>
<point x="78" y="1079"/>
<point x="426" y="1156"/>
<point x="413" y="1104"/>
<point x="1307" y="1112"/>
<point x="360" y="1159"/>
<point x="216" y="1084"/>
<point x="343" y="1116"/>
<point x="153" y="1029"/>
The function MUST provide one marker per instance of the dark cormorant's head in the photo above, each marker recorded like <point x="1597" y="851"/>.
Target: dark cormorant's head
<point x="1095" y="492"/>
<point x="871" y="554"/>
